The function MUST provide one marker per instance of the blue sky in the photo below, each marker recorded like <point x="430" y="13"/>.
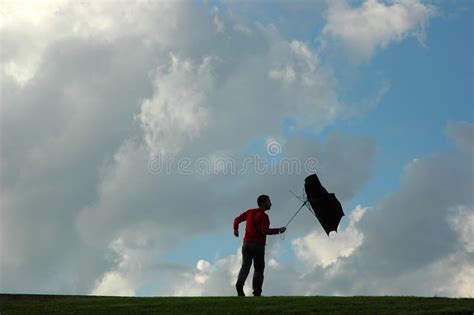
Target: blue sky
<point x="380" y="92"/>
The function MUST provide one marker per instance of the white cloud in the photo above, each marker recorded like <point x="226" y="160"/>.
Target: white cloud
<point x="113" y="284"/>
<point x="177" y="109"/>
<point x="286" y="74"/>
<point x="57" y="20"/>
<point x="301" y="62"/>
<point x="273" y="263"/>
<point x="219" y="24"/>
<point x="207" y="278"/>
<point x="463" y="282"/>
<point x="462" y="221"/>
<point x="301" y="50"/>
<point x="375" y="25"/>
<point x="218" y="278"/>
<point x="243" y="29"/>
<point x="462" y="132"/>
<point x="317" y="249"/>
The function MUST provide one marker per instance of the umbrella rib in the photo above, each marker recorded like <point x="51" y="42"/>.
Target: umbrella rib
<point x="297" y="197"/>
<point x="302" y="200"/>
<point x="294" y="215"/>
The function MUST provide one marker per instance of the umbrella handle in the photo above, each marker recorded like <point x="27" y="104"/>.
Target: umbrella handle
<point x="282" y="236"/>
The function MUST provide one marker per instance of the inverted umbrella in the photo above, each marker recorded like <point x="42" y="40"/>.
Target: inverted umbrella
<point x="323" y="205"/>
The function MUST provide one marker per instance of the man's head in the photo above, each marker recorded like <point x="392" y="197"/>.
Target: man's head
<point x="263" y="202"/>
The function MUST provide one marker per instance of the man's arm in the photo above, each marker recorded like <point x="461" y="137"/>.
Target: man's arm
<point x="240" y="218"/>
<point x="265" y="226"/>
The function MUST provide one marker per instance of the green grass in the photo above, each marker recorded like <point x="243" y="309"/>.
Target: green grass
<point x="69" y="304"/>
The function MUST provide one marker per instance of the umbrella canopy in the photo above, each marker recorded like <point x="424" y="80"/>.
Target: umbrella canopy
<point x="325" y="205"/>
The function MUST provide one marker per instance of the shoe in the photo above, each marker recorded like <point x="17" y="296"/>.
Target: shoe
<point x="240" y="291"/>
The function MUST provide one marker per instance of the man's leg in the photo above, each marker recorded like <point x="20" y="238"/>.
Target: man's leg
<point x="244" y="270"/>
<point x="259" y="266"/>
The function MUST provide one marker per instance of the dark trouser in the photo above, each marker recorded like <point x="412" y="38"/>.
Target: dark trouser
<point x="255" y="252"/>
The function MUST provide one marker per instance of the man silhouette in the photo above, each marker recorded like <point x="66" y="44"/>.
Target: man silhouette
<point x="256" y="230"/>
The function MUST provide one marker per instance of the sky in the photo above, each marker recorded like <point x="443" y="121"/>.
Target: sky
<point x="133" y="133"/>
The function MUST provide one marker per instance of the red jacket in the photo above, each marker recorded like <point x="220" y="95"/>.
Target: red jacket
<point x="257" y="226"/>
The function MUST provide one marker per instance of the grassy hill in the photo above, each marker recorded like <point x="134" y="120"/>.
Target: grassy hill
<point x="70" y="304"/>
